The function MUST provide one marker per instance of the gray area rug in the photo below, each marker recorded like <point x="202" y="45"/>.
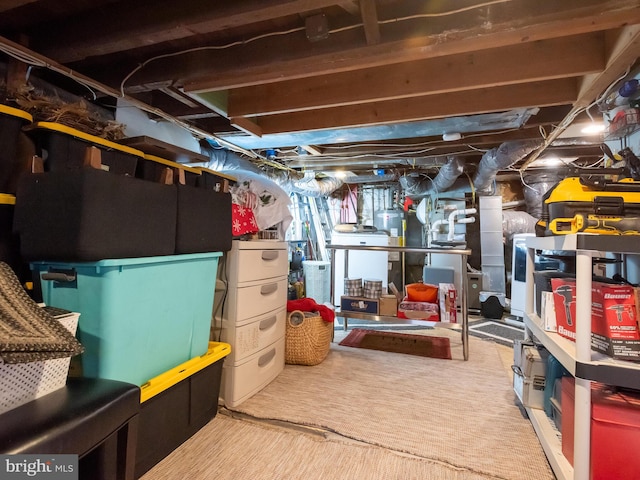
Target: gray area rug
<point x="242" y="449"/>
<point x="457" y="413"/>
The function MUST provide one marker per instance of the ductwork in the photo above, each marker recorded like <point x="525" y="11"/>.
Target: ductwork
<point x="500" y="158"/>
<point x="535" y="187"/>
<point x="445" y="178"/>
<point x="291" y="182"/>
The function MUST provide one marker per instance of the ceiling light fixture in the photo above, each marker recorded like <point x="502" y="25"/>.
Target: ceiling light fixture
<point x="451" y="137"/>
<point x="593" y="128"/>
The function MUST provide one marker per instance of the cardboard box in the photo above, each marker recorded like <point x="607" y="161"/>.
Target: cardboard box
<point x="447" y="296"/>
<point x="388" y="305"/>
<point x="614" y="318"/>
<point x="529" y="374"/>
<point x="614" y="321"/>
<point x="548" y="312"/>
<point x="359" y="304"/>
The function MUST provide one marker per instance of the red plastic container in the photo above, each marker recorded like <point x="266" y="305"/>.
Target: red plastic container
<point x="615" y="430"/>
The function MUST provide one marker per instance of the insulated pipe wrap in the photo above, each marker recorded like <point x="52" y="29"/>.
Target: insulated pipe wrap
<point x="446" y="177"/>
<point x="499" y="158"/>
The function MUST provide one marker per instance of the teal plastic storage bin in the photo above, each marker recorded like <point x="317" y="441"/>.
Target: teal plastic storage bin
<point x="139" y="316"/>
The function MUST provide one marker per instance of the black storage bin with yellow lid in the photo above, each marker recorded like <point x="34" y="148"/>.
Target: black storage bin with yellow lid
<point x="88" y="215"/>
<point x="65" y="148"/>
<point x="220" y="182"/>
<point x="11" y="122"/>
<point x="203" y="223"/>
<point x="178" y="403"/>
<point x="153" y="168"/>
<point x="9" y="244"/>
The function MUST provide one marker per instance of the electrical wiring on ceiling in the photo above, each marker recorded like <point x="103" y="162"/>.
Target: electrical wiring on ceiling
<point x="299" y="29"/>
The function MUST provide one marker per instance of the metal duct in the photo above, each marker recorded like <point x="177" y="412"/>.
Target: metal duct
<point x="291" y="182"/>
<point x="535" y="186"/>
<point x="445" y="178"/>
<point x="499" y="158"/>
<point x="517" y="222"/>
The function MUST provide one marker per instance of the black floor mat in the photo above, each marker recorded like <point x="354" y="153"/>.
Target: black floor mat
<point x="496" y="331"/>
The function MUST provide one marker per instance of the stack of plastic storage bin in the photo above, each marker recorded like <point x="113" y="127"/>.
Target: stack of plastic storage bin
<point x="11" y="166"/>
<point x="104" y="243"/>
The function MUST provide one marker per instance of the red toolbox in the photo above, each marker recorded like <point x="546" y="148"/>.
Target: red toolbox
<point x="615" y="430"/>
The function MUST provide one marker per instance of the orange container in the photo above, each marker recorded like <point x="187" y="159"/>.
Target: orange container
<point x="422" y="292"/>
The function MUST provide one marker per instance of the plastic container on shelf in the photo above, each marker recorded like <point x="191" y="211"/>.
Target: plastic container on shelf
<point x="88" y="215"/>
<point x="11" y="122"/>
<point x="153" y="168"/>
<point x="140" y="316"/>
<point x="65" y="148"/>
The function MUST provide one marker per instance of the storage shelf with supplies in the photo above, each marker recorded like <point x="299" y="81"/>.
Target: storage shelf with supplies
<point x="577" y="357"/>
<point x="463" y="253"/>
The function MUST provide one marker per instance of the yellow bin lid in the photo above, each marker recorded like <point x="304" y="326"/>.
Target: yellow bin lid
<point x="14" y="112"/>
<point x="219" y="174"/>
<point x="162" y="382"/>
<point x="171" y="164"/>
<point x="58" y="127"/>
<point x="7" y="199"/>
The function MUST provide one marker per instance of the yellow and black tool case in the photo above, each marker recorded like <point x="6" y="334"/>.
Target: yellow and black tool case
<point x="584" y="204"/>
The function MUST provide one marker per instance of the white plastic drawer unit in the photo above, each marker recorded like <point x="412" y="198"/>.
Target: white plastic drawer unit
<point x="250" y="261"/>
<point x="256" y="298"/>
<point x="245" y="378"/>
<point x="251" y="336"/>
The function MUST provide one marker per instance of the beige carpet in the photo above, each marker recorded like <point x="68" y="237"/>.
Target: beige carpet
<point x="459" y="413"/>
<point x="237" y="449"/>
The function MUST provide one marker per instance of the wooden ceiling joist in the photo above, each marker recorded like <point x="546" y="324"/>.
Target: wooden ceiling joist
<point x="583" y="54"/>
<point x="550" y="92"/>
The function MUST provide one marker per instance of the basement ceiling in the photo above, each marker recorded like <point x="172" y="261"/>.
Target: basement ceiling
<point x="355" y="85"/>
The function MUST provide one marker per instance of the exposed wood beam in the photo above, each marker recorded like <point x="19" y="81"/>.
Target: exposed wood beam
<point x="111" y="30"/>
<point x="550" y="92"/>
<point x="312" y="150"/>
<point x="370" y="20"/>
<point x="350" y="6"/>
<point x="11" y="4"/>
<point x="604" y="15"/>
<point x="179" y="96"/>
<point x="501" y="66"/>
<point x="246" y="126"/>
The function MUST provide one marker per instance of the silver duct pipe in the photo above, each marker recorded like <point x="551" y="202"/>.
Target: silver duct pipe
<point x="445" y="178"/>
<point x="499" y="158"/>
<point x="534" y="189"/>
<point x="292" y="182"/>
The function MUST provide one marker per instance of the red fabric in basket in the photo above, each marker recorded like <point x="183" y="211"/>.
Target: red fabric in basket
<point x="310" y="305"/>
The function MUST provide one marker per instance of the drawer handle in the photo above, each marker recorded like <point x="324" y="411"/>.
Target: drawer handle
<point x="266" y="358"/>
<point x="268" y="289"/>
<point x="267" y="323"/>
<point x="270" y="255"/>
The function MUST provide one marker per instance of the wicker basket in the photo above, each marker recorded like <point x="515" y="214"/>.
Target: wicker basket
<point x="307" y="339"/>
